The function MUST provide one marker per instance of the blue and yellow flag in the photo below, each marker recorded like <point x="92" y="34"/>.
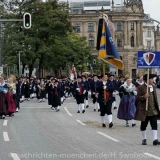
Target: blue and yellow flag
<point x="107" y="49"/>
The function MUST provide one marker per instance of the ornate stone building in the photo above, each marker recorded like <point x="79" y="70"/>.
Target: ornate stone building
<point x="128" y="34"/>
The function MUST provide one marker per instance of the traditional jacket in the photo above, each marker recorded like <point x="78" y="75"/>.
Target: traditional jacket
<point x="141" y="112"/>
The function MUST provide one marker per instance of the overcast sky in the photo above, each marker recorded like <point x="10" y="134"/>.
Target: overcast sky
<point x="152" y="7"/>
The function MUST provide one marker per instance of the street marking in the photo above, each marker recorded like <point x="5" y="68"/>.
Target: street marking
<point x="108" y="136"/>
<point x="36" y="107"/>
<point x="5" y="122"/>
<point x="68" y="111"/>
<point x="80" y="122"/>
<point x="5" y="136"/>
<point x="15" y="156"/>
<point x="151" y="155"/>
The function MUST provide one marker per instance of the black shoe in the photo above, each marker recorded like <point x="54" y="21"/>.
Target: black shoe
<point x="83" y="111"/>
<point x="3" y="116"/>
<point x="57" y="110"/>
<point x="115" y="108"/>
<point x="98" y="110"/>
<point x="133" y="125"/>
<point x="103" y="125"/>
<point x="111" y="125"/>
<point x="87" y="106"/>
<point x="11" y="115"/>
<point x="78" y="112"/>
<point x="156" y="142"/>
<point x="94" y="110"/>
<point x="144" y="142"/>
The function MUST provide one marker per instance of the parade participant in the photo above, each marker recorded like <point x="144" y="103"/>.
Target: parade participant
<point x="152" y="112"/>
<point x="11" y="104"/>
<point x="120" y="82"/>
<point x="18" y="90"/>
<point x="31" y="84"/>
<point x="56" y="103"/>
<point x="94" y="93"/>
<point x="87" y="88"/>
<point x="127" y="108"/>
<point x="41" y="91"/>
<point x="105" y="88"/>
<point x="80" y="90"/>
<point x="114" y="85"/>
<point x="25" y="87"/>
<point x="3" y="98"/>
<point x="62" y="89"/>
<point x="22" y="89"/>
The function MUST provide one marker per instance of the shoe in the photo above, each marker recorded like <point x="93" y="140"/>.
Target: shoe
<point x="87" y="106"/>
<point x="98" y="110"/>
<point x="52" y="108"/>
<point x="103" y="125"/>
<point x="94" y="110"/>
<point x="11" y="115"/>
<point x="111" y="125"/>
<point x="144" y="142"/>
<point x="115" y="108"/>
<point x="16" y="109"/>
<point x="57" y="110"/>
<point x="133" y="125"/>
<point x="83" y="111"/>
<point x="127" y="124"/>
<point x="156" y="142"/>
<point x="3" y="116"/>
<point x="78" y="112"/>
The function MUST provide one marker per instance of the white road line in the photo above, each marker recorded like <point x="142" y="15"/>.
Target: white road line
<point x="108" y="136"/>
<point x="5" y="122"/>
<point x="80" y="122"/>
<point x="5" y="136"/>
<point x="15" y="156"/>
<point x="151" y="155"/>
<point x="68" y="111"/>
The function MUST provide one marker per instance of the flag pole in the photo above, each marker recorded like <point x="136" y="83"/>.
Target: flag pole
<point x="147" y="89"/>
<point x="102" y="9"/>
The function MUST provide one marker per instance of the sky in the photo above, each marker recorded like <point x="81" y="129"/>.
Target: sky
<point x="152" y="7"/>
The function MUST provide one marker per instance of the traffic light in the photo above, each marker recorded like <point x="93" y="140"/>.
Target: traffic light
<point x="27" y="20"/>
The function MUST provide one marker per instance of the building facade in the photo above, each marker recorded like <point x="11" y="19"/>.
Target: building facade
<point x="131" y="33"/>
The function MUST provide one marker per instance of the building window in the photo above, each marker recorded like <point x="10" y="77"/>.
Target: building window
<point x="91" y="41"/>
<point x="77" y="27"/>
<point x="132" y="26"/>
<point x="148" y="44"/>
<point x="119" y="43"/>
<point x="119" y="26"/>
<point x="148" y="33"/>
<point x="132" y="41"/>
<point x="90" y="27"/>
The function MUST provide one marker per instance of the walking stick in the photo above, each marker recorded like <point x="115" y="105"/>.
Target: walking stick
<point x="147" y="89"/>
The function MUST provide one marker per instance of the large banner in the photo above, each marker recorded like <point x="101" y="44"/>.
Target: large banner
<point x="148" y="59"/>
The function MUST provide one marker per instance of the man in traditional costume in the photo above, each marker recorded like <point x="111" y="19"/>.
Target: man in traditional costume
<point x="150" y="112"/>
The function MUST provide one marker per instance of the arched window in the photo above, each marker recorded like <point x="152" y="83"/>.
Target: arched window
<point x="91" y="41"/>
<point x="119" y="26"/>
<point x="132" y="41"/>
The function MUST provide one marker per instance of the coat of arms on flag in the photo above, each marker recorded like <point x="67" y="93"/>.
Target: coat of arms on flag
<point x="73" y="73"/>
<point x="149" y="57"/>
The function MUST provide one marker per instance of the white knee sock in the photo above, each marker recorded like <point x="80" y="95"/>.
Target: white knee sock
<point x="58" y="107"/>
<point x="86" y="102"/>
<point x="78" y="106"/>
<point x="97" y="105"/>
<point x="144" y="134"/>
<point x="61" y="99"/>
<point x="154" y="133"/>
<point x="114" y="104"/>
<point x="133" y="121"/>
<point x="103" y="119"/>
<point x="82" y="106"/>
<point x="110" y="118"/>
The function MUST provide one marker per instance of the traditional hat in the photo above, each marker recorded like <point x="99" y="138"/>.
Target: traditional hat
<point x="150" y="76"/>
<point x="79" y="77"/>
<point x="110" y="75"/>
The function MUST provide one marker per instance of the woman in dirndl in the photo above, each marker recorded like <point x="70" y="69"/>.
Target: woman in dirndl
<point x="127" y="106"/>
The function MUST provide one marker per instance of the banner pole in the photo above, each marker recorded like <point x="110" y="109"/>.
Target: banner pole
<point x="147" y="88"/>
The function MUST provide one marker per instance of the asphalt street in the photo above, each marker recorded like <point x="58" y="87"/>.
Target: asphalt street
<point x="39" y="133"/>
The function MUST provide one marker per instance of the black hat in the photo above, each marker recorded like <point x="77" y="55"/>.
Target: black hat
<point x="110" y="75"/>
<point x="79" y="76"/>
<point x="150" y="76"/>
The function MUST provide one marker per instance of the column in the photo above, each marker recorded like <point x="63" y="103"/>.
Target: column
<point x="125" y="33"/>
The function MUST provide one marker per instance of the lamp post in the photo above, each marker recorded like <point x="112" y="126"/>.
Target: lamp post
<point x="19" y="63"/>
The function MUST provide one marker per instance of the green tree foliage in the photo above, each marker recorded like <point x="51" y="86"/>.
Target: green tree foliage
<point x="50" y="43"/>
